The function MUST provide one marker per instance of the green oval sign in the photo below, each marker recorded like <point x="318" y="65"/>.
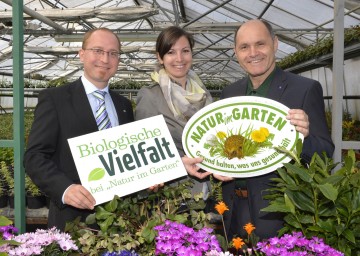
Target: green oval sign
<point x="236" y="136"/>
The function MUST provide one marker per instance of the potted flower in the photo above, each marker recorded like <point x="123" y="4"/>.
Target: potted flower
<point x="41" y="242"/>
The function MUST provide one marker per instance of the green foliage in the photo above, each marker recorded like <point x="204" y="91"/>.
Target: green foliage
<point x="31" y="188"/>
<point x="351" y="36"/>
<point x="319" y="203"/>
<point x="114" y="84"/>
<point x="7" y="155"/>
<point x="216" y="189"/>
<point x="6" y="125"/>
<point x="7" y="176"/>
<point x="127" y="223"/>
<point x="6" y="133"/>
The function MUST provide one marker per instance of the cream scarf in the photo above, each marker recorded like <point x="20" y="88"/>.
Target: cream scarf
<point x="183" y="103"/>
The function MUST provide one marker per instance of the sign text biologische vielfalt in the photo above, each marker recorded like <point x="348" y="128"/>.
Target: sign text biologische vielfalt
<point x="126" y="158"/>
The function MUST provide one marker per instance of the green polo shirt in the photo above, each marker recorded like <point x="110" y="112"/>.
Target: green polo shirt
<point x="261" y="91"/>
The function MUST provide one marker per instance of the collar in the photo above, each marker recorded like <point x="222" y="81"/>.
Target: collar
<point x="262" y="89"/>
<point x="90" y="88"/>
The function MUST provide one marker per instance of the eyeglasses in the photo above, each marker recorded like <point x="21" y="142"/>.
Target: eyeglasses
<point x="99" y="53"/>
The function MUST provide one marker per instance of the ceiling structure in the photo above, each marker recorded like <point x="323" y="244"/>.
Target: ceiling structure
<point x="53" y="31"/>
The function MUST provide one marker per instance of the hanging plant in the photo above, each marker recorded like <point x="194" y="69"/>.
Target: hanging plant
<point x="351" y="36"/>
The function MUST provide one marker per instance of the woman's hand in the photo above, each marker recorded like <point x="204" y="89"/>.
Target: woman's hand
<point x="192" y="169"/>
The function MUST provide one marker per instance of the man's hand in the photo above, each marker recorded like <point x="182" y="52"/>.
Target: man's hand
<point x="78" y="196"/>
<point x="192" y="169"/>
<point x="300" y="120"/>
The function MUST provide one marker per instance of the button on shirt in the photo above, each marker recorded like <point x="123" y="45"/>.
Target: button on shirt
<point x="110" y="108"/>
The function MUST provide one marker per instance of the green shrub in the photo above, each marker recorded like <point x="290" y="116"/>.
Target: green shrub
<point x="319" y="203"/>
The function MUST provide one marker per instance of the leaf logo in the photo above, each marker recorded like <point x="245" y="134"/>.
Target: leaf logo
<point x="96" y="174"/>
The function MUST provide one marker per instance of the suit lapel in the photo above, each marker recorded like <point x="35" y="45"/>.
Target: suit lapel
<point x="278" y="85"/>
<point x="82" y="107"/>
<point x="121" y="110"/>
<point x="243" y="86"/>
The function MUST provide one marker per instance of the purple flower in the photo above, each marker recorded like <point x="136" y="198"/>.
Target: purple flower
<point x="295" y="244"/>
<point x="8" y="231"/>
<point x="177" y="239"/>
<point x="42" y="241"/>
<point x="120" y="253"/>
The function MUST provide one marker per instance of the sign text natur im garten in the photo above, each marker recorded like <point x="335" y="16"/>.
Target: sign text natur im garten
<point x="126" y="158"/>
<point x="237" y="136"/>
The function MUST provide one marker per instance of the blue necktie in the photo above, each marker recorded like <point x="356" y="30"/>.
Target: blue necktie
<point x="101" y="115"/>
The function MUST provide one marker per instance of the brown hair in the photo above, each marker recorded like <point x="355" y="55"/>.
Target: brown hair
<point x="90" y="32"/>
<point x="168" y="37"/>
<point x="266" y="24"/>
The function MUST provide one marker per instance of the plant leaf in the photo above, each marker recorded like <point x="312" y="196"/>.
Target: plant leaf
<point x="102" y="214"/>
<point x="329" y="191"/>
<point x="326" y="225"/>
<point x="301" y="200"/>
<point x="301" y="172"/>
<point x="112" y="205"/>
<point x="106" y="223"/>
<point x="289" y="204"/>
<point x="291" y="220"/>
<point x="349" y="235"/>
<point x="276" y="208"/>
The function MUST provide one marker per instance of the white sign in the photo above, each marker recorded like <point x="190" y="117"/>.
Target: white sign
<point x="237" y="136"/>
<point x="126" y="158"/>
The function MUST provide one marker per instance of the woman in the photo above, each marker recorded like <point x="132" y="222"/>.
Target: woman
<point x="178" y="93"/>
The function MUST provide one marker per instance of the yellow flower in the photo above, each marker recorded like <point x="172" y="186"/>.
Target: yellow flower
<point x="221" y="135"/>
<point x="237" y="243"/>
<point x="249" y="228"/>
<point x="221" y="207"/>
<point x="258" y="136"/>
<point x="265" y="131"/>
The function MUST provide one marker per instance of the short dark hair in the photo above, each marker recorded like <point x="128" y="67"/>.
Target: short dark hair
<point x="90" y="32"/>
<point x="168" y="37"/>
<point x="266" y="24"/>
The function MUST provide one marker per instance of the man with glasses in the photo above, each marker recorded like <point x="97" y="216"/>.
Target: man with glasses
<point x="84" y="106"/>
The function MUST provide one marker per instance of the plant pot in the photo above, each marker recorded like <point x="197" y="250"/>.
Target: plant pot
<point x="35" y="202"/>
<point x="4" y="201"/>
<point x="11" y="201"/>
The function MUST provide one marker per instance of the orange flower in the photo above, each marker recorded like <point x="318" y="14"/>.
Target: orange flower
<point x="221" y="207"/>
<point x="249" y="228"/>
<point x="237" y="243"/>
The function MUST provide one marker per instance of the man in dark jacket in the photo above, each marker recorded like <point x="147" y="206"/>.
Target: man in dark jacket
<point x="255" y="48"/>
<point x="70" y="111"/>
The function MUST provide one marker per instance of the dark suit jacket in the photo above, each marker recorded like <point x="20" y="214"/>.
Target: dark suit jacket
<point x="295" y="92"/>
<point x="62" y="113"/>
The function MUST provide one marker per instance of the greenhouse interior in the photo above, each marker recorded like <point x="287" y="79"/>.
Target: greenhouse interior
<point x="42" y="51"/>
